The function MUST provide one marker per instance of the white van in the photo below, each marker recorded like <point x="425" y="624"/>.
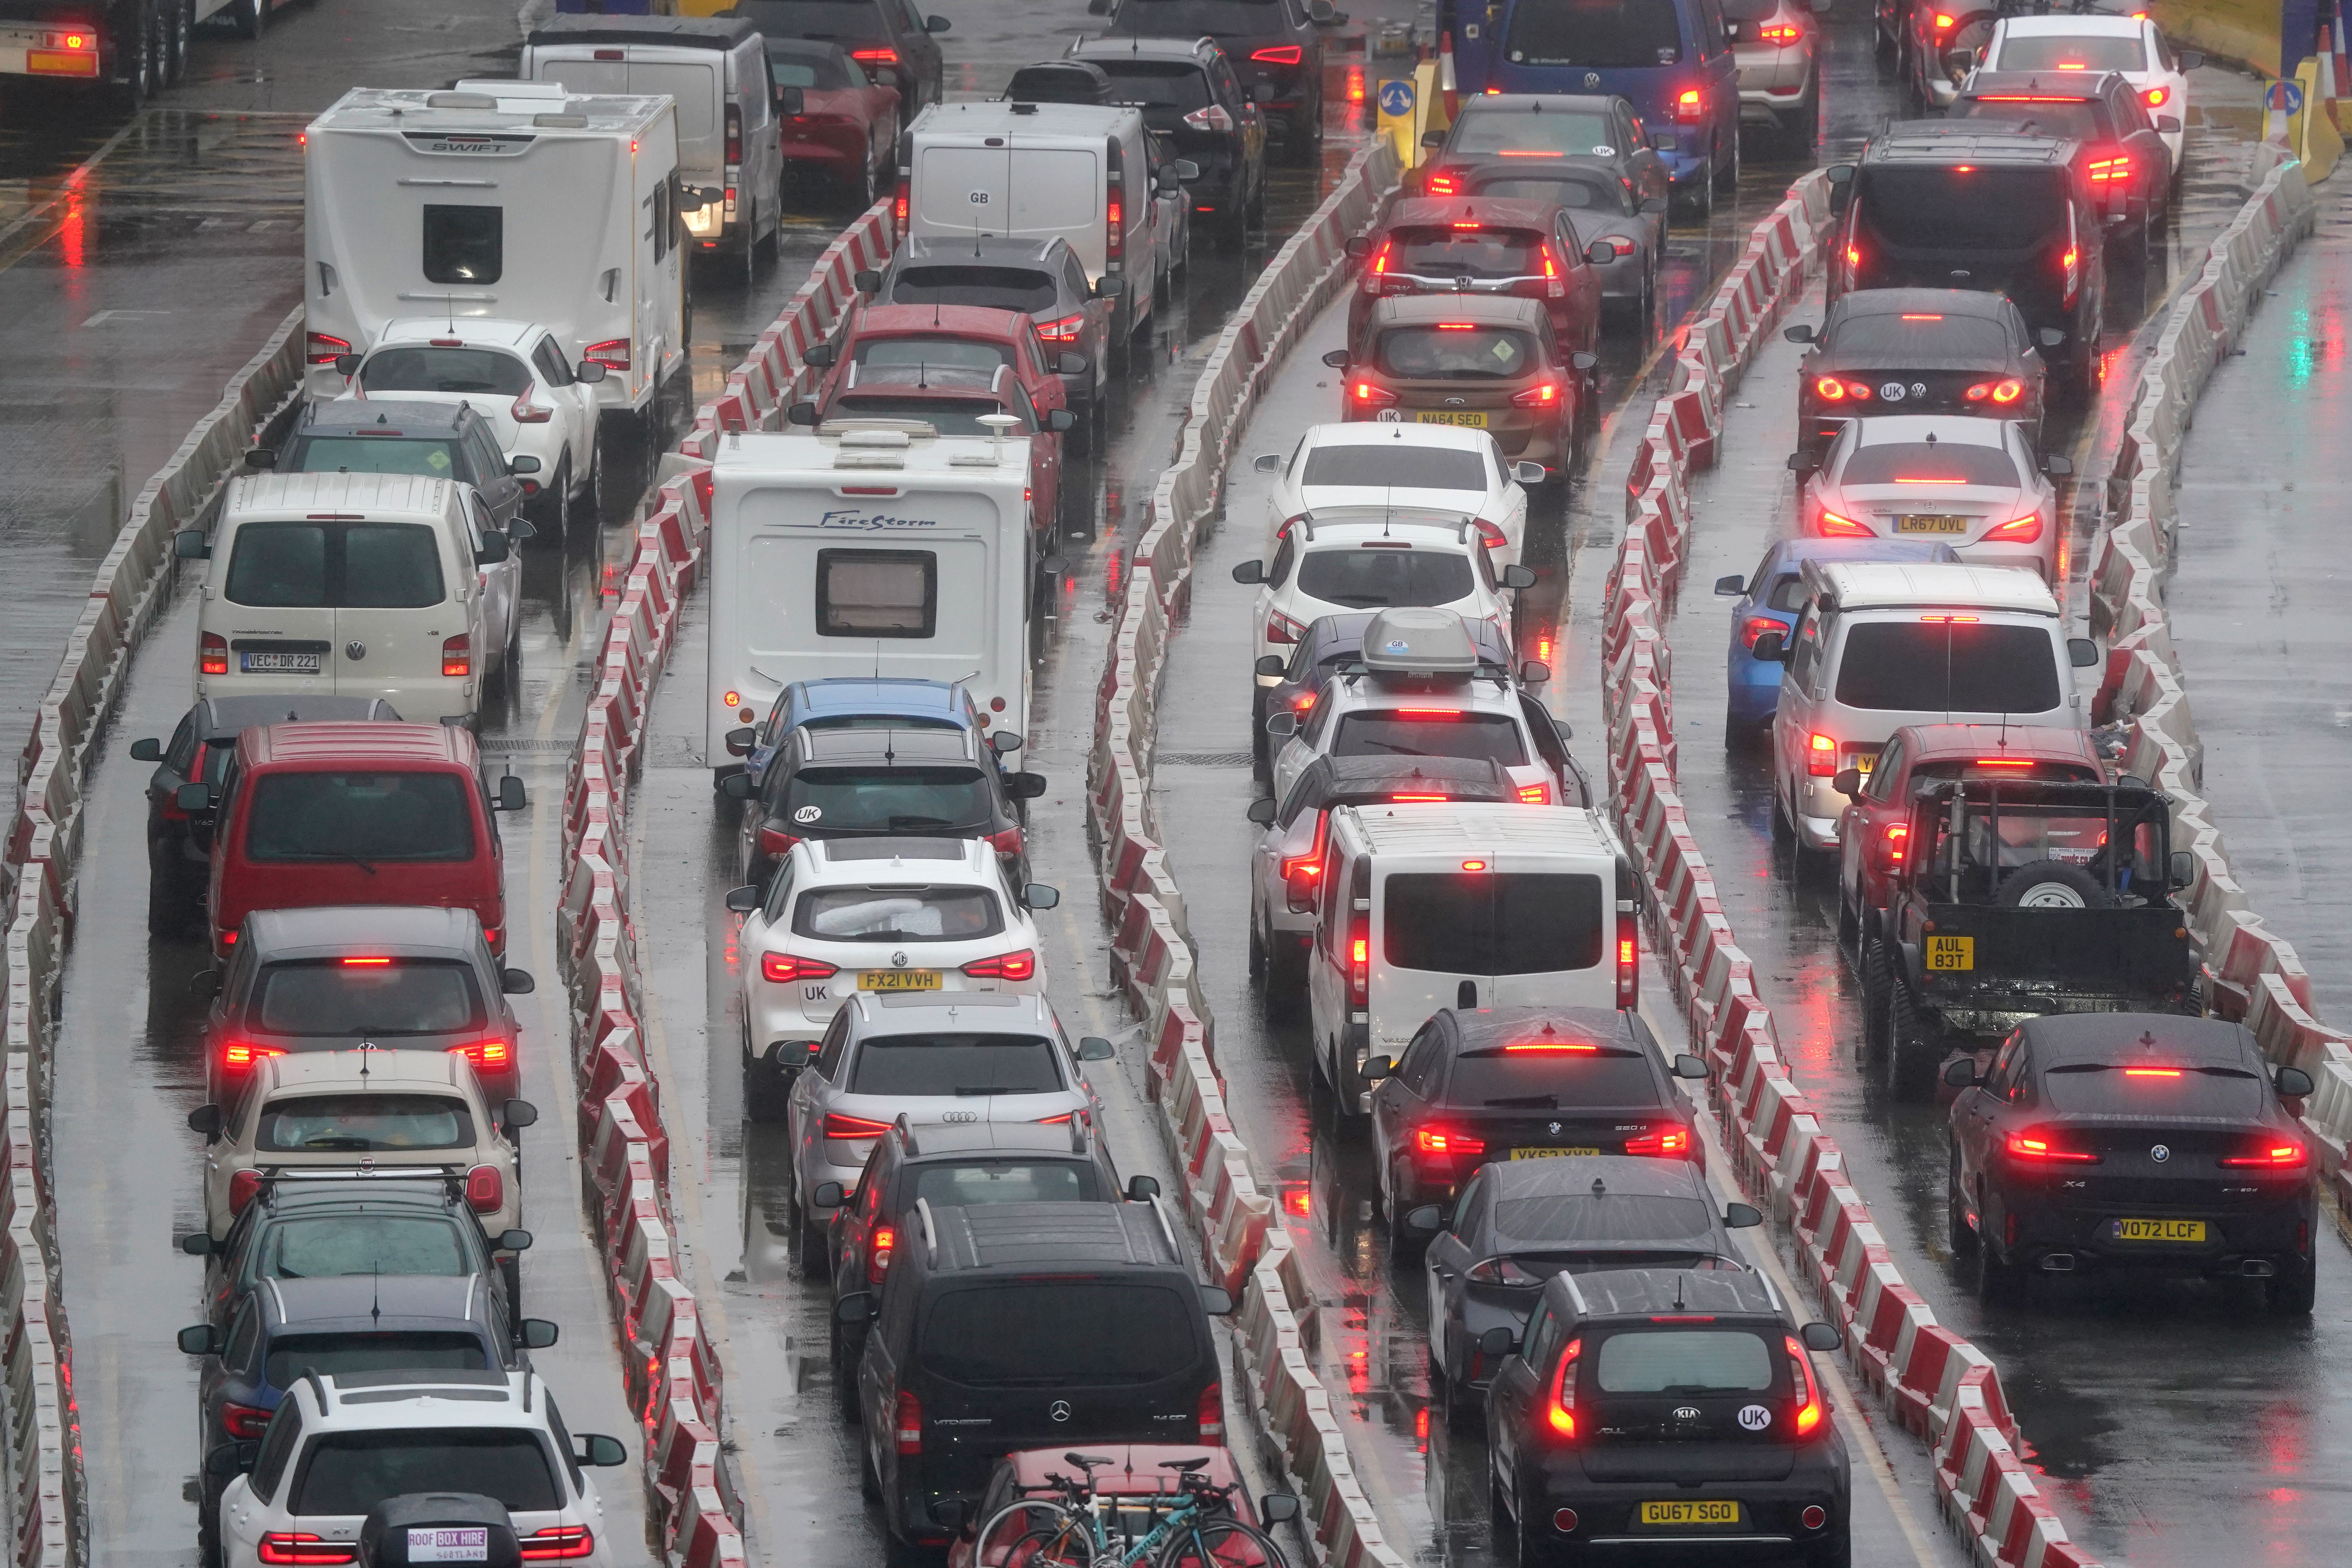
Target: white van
<point x="1046" y="171"/>
<point x="1461" y="905"/>
<point x="509" y="200"/>
<point x="868" y="547"/>
<point x="388" y="585"/>
<point x="716" y="71"/>
<point x="1884" y="644"/>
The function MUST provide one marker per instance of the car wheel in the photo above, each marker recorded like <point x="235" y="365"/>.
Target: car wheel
<point x="208" y="1543"/>
<point x="1956" y="1229"/>
<point x="2293" y="1289"/>
<point x="765" y="1098"/>
<point x="1784" y="825"/>
<point x="1849" y="923"/>
<point x="1404" y="1247"/>
<point x="139" y="64"/>
<point x="1911" y="1054"/>
<point x="1285" y="972"/>
<point x="1728" y="179"/>
<point x="1528" y="1535"/>
<point x="554" y="498"/>
<point x="870" y="1484"/>
<point x="1257" y="951"/>
<point x="1233" y="226"/>
<point x="252" y="17"/>
<point x="1999" y="1283"/>
<point x="867" y="190"/>
<point x="815" y="1250"/>
<point x="1877" y="970"/>
<point x="1699" y="195"/>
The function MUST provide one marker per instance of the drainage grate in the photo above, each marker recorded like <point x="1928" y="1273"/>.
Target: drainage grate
<point x="1204" y="759"/>
<point x="507" y="748"/>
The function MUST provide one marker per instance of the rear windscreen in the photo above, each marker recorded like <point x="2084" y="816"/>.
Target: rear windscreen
<point x="1919" y="463"/>
<point x="1924" y="333"/>
<point x="965" y="1065"/>
<point x="1603" y="1077"/>
<point x="1484" y="253"/>
<point x="328" y="1246"/>
<point x="364" y="1123"/>
<point x="947" y="415"/>
<point x="1458" y="354"/>
<point x="1060" y="1334"/>
<point x="350" y="1472"/>
<point x="1485" y="922"/>
<point x="1581" y="195"/>
<point x="375" y="998"/>
<point x="1152" y="84"/>
<point x="1636" y="1217"/>
<point x="1935" y="208"/>
<point x="1927" y="667"/>
<point x="359" y="818"/>
<point x="1552" y="132"/>
<point x="1004" y="1182"/>
<point x="2147" y="1087"/>
<point x="930" y="354"/>
<point x="324" y="565"/>
<point x="2078" y="53"/>
<point x="992" y="288"/>
<point x="1401" y="465"/>
<point x="820" y="71"/>
<point x="888" y="800"/>
<point x="445" y="370"/>
<point x="2039" y="116"/>
<point x="1401" y="732"/>
<point x="1363" y="577"/>
<point x="896" y="914"/>
<point x="371" y="455"/>
<point x="330" y="1355"/>
<point x="1620" y="34"/>
<point x="1685" y="1360"/>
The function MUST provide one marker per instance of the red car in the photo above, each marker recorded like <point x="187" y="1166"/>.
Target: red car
<point x="1877" y="814"/>
<point x="874" y="338"/>
<point x="952" y="399"/>
<point x="1138" y="1475"/>
<point x="1484" y="245"/>
<point x="847" y="128"/>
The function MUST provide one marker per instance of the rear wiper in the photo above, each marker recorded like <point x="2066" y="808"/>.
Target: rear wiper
<point x="1532" y="1101"/>
<point x="902" y="820"/>
<point x="336" y="1140"/>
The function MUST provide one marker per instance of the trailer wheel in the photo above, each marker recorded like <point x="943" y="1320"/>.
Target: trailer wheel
<point x="1911" y="1056"/>
<point x="2051" y="885"/>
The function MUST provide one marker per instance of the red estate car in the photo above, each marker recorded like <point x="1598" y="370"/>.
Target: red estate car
<point x="847" y="129"/>
<point x="1484" y="245"/>
<point x="874" y="338"/>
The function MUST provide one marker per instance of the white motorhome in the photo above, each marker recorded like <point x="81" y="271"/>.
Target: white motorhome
<point x="510" y="200"/>
<point x="868" y="547"/>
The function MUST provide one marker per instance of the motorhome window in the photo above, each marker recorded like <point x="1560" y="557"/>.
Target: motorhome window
<point x="360" y="818"/>
<point x="663" y="239"/>
<point x="878" y="592"/>
<point x="966" y="352"/>
<point x="1362" y="577"/>
<point x="1936" y="667"/>
<point x="1508" y="132"/>
<point x="370" y="455"/>
<point x="390" y="566"/>
<point x="1623" y="35"/>
<point x="991" y="288"/>
<point x="464" y="244"/>
<point x="444" y="370"/>
<point x="1478" y="922"/>
<point x="947" y="415"/>
<point x="1153" y="84"/>
<point x="1403" y="467"/>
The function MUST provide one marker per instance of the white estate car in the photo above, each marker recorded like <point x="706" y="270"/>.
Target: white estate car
<point x="541" y="403"/>
<point x="2131" y="45"/>
<point x="1973" y="484"/>
<point x="1424" y="468"/>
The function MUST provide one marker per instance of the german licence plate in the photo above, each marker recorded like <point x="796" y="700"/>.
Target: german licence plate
<point x="266" y="661"/>
<point x="2173" y="1230"/>
<point x="1701" y="1512"/>
<point x="1549" y="1153"/>
<point x="1470" y="419"/>
<point x="897" y="980"/>
<point x="1930" y="522"/>
<point x="1952" y="953"/>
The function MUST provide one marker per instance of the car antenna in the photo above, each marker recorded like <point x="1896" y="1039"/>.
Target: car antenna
<point x="1679" y="1290"/>
<point x="1600" y="1188"/>
<point x="376" y="1304"/>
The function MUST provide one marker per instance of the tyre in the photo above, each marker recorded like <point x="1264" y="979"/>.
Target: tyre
<point x="182" y="24"/>
<point x="511" y="1269"/>
<point x="208" y="1545"/>
<point x="592" y="494"/>
<point x="2051" y="885"/>
<point x="764" y="1094"/>
<point x="1257" y="951"/>
<point x="815" y="1248"/>
<point x="1956" y="1229"/>
<point x="867" y="190"/>
<point x="869" y="1485"/>
<point x="554" y="498"/>
<point x="1877" y="975"/>
<point x="1728" y="179"/>
<point x="1835" y="1552"/>
<point x="510" y="658"/>
<point x="1064" y="1546"/>
<point x="1031" y="1529"/>
<point x="1784" y="827"/>
<point x="1999" y="1283"/>
<point x="1403" y="1244"/>
<point x="1697" y="195"/>
<point x="1220" y="1543"/>
<point x="1849" y="924"/>
<point x="136" y="63"/>
<point x="1233" y="227"/>
<point x="1285" y="972"/>
<point x="252" y="17"/>
<point x="1911" y="1052"/>
<point x="1527" y="1537"/>
<point x="2292" y="1291"/>
<point x="167" y="905"/>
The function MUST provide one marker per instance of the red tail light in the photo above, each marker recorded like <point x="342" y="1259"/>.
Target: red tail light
<point x="784" y="968"/>
<point x="2106" y="170"/>
<point x="1559" y="1411"/>
<point x="524" y="412"/>
<point x="1690" y="106"/>
<point x="1810" y="1408"/>
<point x="1782" y="36"/>
<point x="212" y="654"/>
<point x="486" y="1190"/>
<point x="1854" y="256"/>
<point x="836" y="1125"/>
<point x="457" y="654"/>
<point x="1302" y="874"/>
<point x="1114" y="227"/>
<point x="1755" y="627"/>
<point x="1543" y="394"/>
<point x="734" y="134"/>
<point x="907" y="1418"/>
<point x="1668" y="1142"/>
<point x="898" y="206"/>
<point x="1628" y="963"/>
<point x="1831" y="388"/>
<point x="1021" y="966"/>
<point x="1211" y="1415"/>
<point x="323" y="348"/>
<point x="776" y="841"/>
<point x="244" y="1422"/>
<point x="1832" y="526"/>
<point x="2269" y="1155"/>
<point x="612" y="354"/>
<point x="2068" y="264"/>
<point x="239" y="1055"/>
<point x="1281" y="628"/>
<point x="877" y="1253"/>
<point x="487" y="1056"/>
<point x="557" y="1541"/>
<point x="1891" y="847"/>
<point x="1360" y="960"/>
<point x="2154" y="97"/>
<point x="1376" y="275"/>
<point x="1943" y="24"/>
<point x="1821" y="756"/>
<point x="1278" y="55"/>
<point x="2016" y="530"/>
<point x="1216" y="117"/>
<point x="243" y="1188"/>
<point x="1556" y="286"/>
<point x="302" y="1546"/>
<point x="1535" y="795"/>
<point x="1066" y="330"/>
<point x="874" y="57"/>
<point x="2038" y="1146"/>
<point x="1369" y="395"/>
<point x="1007" y="842"/>
<point x="2003" y="392"/>
<point x="1442" y="182"/>
<point x="1437" y="1141"/>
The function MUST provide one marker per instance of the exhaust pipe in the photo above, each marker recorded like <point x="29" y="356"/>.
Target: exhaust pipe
<point x="2258" y="1269"/>
<point x="2058" y="1263"/>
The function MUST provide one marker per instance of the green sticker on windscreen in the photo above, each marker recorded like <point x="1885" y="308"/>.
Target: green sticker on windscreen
<point x="1502" y="348"/>
<point x="436" y="458"/>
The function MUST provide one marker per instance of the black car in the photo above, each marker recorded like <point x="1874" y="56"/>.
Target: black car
<point x="1918" y="351"/>
<point x="179" y="848"/>
<point x="435" y="440"/>
<point x="1195" y="110"/>
<point x="1014" y="1326"/>
<point x="2143" y="1143"/>
<point x="1060" y="82"/>
<point x="1044" y="279"/>
<point x="1937" y="204"/>
<point x="346" y="1324"/>
<point x="985" y="1163"/>
<point x="893" y="40"/>
<point x="1519" y="1222"/>
<point x="1654" y="1408"/>
<point x="2118" y="150"/>
<point x="1330" y="642"/>
<point x="1277" y="43"/>
<point x="1520" y="1083"/>
<point x="874" y="784"/>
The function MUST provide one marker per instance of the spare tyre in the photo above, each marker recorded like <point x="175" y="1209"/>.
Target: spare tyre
<point x="2051" y="885"/>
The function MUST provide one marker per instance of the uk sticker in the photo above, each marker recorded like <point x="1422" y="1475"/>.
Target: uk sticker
<point x="808" y="814"/>
<point x="1604" y="151"/>
<point x="1755" y="1418"/>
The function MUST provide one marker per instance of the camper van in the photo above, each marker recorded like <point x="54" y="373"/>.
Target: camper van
<point x="871" y="548"/>
<point x="509" y="200"/>
<point x="717" y="70"/>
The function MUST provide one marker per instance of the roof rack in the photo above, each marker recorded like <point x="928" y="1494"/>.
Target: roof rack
<point x="930" y="1236"/>
<point x="1159" y="1211"/>
<point x="905" y="1128"/>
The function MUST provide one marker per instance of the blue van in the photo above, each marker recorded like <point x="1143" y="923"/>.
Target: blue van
<point x="1671" y="58"/>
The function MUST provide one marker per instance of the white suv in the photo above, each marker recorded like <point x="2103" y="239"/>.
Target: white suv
<point x="541" y="403"/>
<point x="339" y="1445"/>
<point x="1441" y="467"/>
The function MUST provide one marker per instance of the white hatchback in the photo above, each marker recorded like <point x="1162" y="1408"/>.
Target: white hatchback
<point x="2130" y="44"/>
<point x="1427" y="468"/>
<point x="539" y="401"/>
<point x="1973" y="484"/>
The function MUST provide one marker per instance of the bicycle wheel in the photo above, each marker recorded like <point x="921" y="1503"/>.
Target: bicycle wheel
<point x="1011" y="1530"/>
<point x="1220" y="1543"/>
<point x="1064" y="1546"/>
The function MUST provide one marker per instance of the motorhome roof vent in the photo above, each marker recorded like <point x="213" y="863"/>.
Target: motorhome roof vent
<point x="461" y="101"/>
<point x="559" y="121"/>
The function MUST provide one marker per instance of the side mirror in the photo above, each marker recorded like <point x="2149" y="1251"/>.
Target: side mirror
<point x="1039" y="895"/>
<point x="1261" y="811"/>
<point x="590" y="371"/>
<point x="1731" y="29"/>
<point x="1060" y="419"/>
<point x="495" y="547"/>
<point x="1109" y="287"/>
<point x="824" y="356"/>
<point x="866" y="281"/>
<point x="2057" y="467"/>
<point x="1375" y="1069"/>
<point x="147" y="751"/>
<point x="800" y="414"/>
<point x="1071" y="363"/>
<point x="512" y="795"/>
<point x="1323" y="14"/>
<point x="1282" y="726"/>
<point x="1143" y="1189"/>
<point x="1277" y="1508"/>
<point x="1216" y="1300"/>
<point x="261" y="458"/>
<point x="1268" y="462"/>
<point x="1661" y="140"/>
<point x="829" y="1195"/>
<point x="1567" y="731"/>
<point x="516" y="983"/>
<point x="520" y="530"/>
<point x="1249" y="573"/>
<point x="206" y="1119"/>
<point x="858" y="1307"/>
<point x="790" y="100"/>
<point x="743" y="901"/>
<point x="1731" y="587"/>
<point x="200" y="1245"/>
<point x="1741" y="1216"/>
<point x="347" y="364"/>
<point x="1338" y="359"/>
<point x="538" y="1334"/>
<point x="1426" y="1220"/>
<point x="193" y="798"/>
<point x="2190" y="59"/>
<point x="2294" y="1083"/>
<point x="936" y="24"/>
<point x="2183" y="868"/>
<point x="1358" y="246"/>
<point x="2080" y="652"/>
<point x="1802" y="463"/>
<point x="1600" y="253"/>
<point x="1518" y="577"/>
<point x="947" y="1513"/>
<point x="1799" y="333"/>
<point x="190" y="545"/>
<point x="1271" y="665"/>
<point x="2051" y="337"/>
<point x="1185" y="169"/>
<point x="790" y="1056"/>
<point x="1848" y="780"/>
<point x="595" y="1450"/>
<point x="740" y="742"/>
<point x="738" y="786"/>
<point x="1437" y="139"/>
<point x="1169" y="183"/>
<point x="201" y="1340"/>
<point x="1583" y="361"/>
<point x="204" y="983"/>
<point x="1770" y="648"/>
<point x="1094" y="1048"/>
<point x="514" y="1241"/>
<point x="523" y="464"/>
<point x="1654" y="204"/>
<point x="1528" y="473"/>
<point x="1498" y="1341"/>
<point x="519" y="1114"/>
<point x="2167" y="125"/>
<point x="1688" y="1065"/>
<point x="1026" y="786"/>
<point x="1534" y="672"/>
<point x="1961" y="1072"/>
<point x="1003" y="741"/>
<point x="232" y="1458"/>
<point x="1821" y="1337"/>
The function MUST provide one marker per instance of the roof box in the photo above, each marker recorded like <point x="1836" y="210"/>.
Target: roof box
<point x="1419" y="642"/>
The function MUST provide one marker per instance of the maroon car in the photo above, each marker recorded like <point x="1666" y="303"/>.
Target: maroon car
<point x="847" y="129"/>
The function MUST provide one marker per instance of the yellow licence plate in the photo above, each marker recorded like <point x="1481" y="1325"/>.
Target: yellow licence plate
<point x="1472" y="419"/>
<point x="1695" y="1511"/>
<point x="1863" y="762"/>
<point x="1549" y="1153"/>
<point x="2188" y="1230"/>
<point x="897" y="980"/>
<point x="1952" y="953"/>
<point x="1930" y="522"/>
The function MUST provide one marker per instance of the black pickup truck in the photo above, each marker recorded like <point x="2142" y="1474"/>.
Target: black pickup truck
<point x="2023" y="898"/>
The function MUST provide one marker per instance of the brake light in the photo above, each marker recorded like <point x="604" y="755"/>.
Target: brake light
<point x="557" y="1541"/>
<point x="212" y="654"/>
<point x="486" y="1190"/>
<point x="2151" y="1072"/>
<point x="1067" y="330"/>
<point x="1281" y="628"/>
<point x="1943" y="23"/>
<point x="1542" y="394"/>
<point x="1376" y="275"/>
<point x="490" y="1055"/>
<point x="244" y="1422"/>
<point x="1210" y="1415"/>
<point x="302" y="1546"/>
<point x="1891" y="848"/>
<point x="1628" y="963"/>
<point x="1832" y="526"/>
<point x="323" y="348"/>
<point x="836" y="1125"/>
<point x="1555" y="286"/>
<point x="1279" y="55"/>
<point x="1944" y="620"/>
<point x="1300" y="872"/>
<point x="1114" y="227"/>
<point x="1755" y="627"/>
<point x="2068" y="262"/>
<point x="1360" y="960"/>
<point x="1491" y="535"/>
<point x="1691" y="105"/>
<point x="1535" y="795"/>
<point x="1561" y="1411"/>
<point x="1781" y="36"/>
<point x="1007" y="842"/>
<point x="1831" y="388"/>
<point x="1424" y="800"/>
<point x="784" y="968"/>
<point x="1670" y="1143"/>
<point x="898" y="206"/>
<point x="2033" y="1147"/>
<point x="612" y="354"/>
<point x="457" y="654"/>
<point x="877" y="1253"/>
<point x="523" y="412"/>
<point x="1436" y="1140"/>
<point x="243" y="1188"/>
<point x="874" y="57"/>
<point x="2105" y="169"/>
<point x="1808" y="1399"/>
<point x="1021" y="966"/>
<point x="1366" y="395"/>
<point x="2016" y="531"/>
<point x="908" y="1418"/>
<point x="2268" y="1156"/>
<point x="734" y="134"/>
<point x="1442" y="182"/>
<point x="2027" y="762"/>
<point x="2154" y="97"/>
<point x="2003" y="392"/>
<point x="238" y="1056"/>
<point x="1821" y="756"/>
<point x="1213" y="118"/>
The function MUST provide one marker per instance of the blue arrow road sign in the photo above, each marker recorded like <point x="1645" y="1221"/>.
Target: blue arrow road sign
<point x="1396" y="98"/>
<point x="2287" y="96"/>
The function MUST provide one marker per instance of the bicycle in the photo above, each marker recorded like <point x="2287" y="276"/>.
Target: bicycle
<point x="1071" y="1527"/>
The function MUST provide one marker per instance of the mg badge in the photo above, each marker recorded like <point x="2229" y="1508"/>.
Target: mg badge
<point x="899" y="960"/>
<point x="1059" y="1410"/>
<point x="2161" y="1153"/>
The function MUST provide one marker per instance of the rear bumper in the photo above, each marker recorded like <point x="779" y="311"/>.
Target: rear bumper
<point x="2066" y="1238"/>
<point x="1771" y="1523"/>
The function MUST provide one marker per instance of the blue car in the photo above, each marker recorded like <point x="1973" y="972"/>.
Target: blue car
<point x="1770" y="601"/>
<point x="855" y="702"/>
<point x="1671" y="58"/>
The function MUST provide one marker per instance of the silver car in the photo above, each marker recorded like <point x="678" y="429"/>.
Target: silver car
<point x="1776" y="47"/>
<point x="932" y="1056"/>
